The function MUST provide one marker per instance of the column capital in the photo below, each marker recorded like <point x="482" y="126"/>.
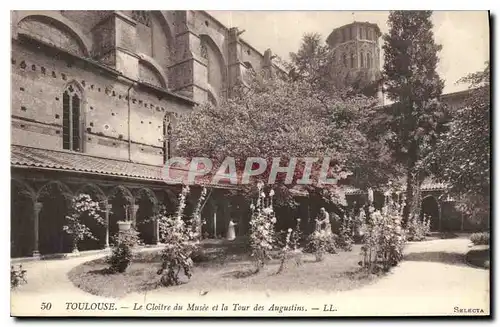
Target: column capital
<point x="38" y="206"/>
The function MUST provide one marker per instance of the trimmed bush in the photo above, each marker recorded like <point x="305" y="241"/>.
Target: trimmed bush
<point x="480" y="238"/>
<point x="122" y="254"/>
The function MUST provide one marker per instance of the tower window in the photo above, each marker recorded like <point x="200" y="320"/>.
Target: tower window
<point x="368" y="34"/>
<point x="71" y="119"/>
<point x="346" y="37"/>
<point x="361" y="32"/>
<point x="362" y="61"/>
<point x="344" y="60"/>
<point x="352" y="60"/>
<point x="369" y="60"/>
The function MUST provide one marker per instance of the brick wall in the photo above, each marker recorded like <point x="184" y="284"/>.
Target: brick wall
<point x="38" y="83"/>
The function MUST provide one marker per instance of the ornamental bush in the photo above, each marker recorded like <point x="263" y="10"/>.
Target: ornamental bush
<point x="321" y="242"/>
<point x="122" y="252"/>
<point x="480" y="238"/>
<point x="181" y="242"/>
<point x="291" y="247"/>
<point x="418" y="229"/>
<point x="384" y="239"/>
<point x="262" y="223"/>
<point x="17" y="276"/>
<point x="344" y="239"/>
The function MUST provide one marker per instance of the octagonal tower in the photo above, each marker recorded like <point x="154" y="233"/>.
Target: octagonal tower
<point x="356" y="50"/>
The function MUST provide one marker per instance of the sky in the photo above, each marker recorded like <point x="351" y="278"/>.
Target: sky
<point x="464" y="35"/>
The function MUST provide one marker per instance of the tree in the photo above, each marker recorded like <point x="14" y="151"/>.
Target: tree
<point x="411" y="80"/>
<point x="462" y="156"/>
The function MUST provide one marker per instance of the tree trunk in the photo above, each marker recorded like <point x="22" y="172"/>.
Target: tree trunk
<point x="411" y="183"/>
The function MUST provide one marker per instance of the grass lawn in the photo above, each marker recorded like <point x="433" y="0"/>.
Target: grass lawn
<point x="226" y="266"/>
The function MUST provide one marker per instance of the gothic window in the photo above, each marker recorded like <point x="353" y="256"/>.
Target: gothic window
<point x="353" y="32"/>
<point x="368" y="34"/>
<point x="362" y="59"/>
<point x="352" y="60"/>
<point x="72" y="138"/>
<point x="344" y="59"/>
<point x="345" y="35"/>
<point x="141" y="16"/>
<point x="167" y="136"/>
<point x="361" y="32"/>
<point x="369" y="60"/>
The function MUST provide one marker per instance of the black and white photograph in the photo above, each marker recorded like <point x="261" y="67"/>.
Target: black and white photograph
<point x="258" y="163"/>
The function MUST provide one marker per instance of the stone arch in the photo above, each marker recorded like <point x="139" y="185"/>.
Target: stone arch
<point x="42" y="20"/>
<point x="94" y="189"/>
<point x="147" y="209"/>
<point x="22" y="224"/>
<point x="216" y="64"/>
<point x="430" y="206"/>
<point x="61" y="187"/>
<point x="150" y="71"/>
<point x="26" y="189"/>
<point x="55" y="198"/>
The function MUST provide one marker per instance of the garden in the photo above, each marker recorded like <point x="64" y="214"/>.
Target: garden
<point x="266" y="259"/>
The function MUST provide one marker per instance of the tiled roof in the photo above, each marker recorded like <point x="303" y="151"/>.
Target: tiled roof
<point x="427" y="185"/>
<point x="28" y="157"/>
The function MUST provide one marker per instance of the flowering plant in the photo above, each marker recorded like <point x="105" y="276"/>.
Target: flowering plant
<point x="180" y="242"/>
<point x="122" y="254"/>
<point x="418" y="229"/>
<point x="344" y="239"/>
<point x="321" y="242"/>
<point x="262" y="227"/>
<point x="384" y="239"/>
<point x="82" y="206"/>
<point x="291" y="248"/>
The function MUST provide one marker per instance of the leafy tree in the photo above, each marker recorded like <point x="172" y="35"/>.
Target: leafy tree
<point x="411" y="80"/>
<point x="462" y="156"/>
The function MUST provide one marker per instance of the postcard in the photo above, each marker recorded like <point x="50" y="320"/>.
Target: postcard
<point x="169" y="163"/>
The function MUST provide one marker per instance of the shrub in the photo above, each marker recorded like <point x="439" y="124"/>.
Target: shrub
<point x="262" y="228"/>
<point x="17" y="276"/>
<point x="290" y="249"/>
<point x="344" y="239"/>
<point x="321" y="242"/>
<point x="181" y="243"/>
<point x="480" y="238"/>
<point x="384" y="239"/>
<point x="122" y="253"/>
<point x="417" y="230"/>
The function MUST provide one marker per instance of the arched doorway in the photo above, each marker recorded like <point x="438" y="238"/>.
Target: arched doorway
<point x="121" y="201"/>
<point x="98" y="230"/>
<point x="56" y="200"/>
<point x="21" y="220"/>
<point x="147" y="202"/>
<point x="430" y="208"/>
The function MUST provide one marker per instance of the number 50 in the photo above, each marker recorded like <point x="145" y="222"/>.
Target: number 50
<point x="46" y="306"/>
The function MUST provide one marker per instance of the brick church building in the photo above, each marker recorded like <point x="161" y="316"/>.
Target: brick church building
<point x="94" y="97"/>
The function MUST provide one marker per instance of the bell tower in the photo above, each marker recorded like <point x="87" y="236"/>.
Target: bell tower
<point x="356" y="50"/>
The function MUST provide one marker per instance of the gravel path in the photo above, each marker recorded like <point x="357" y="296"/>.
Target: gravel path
<point x="432" y="280"/>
